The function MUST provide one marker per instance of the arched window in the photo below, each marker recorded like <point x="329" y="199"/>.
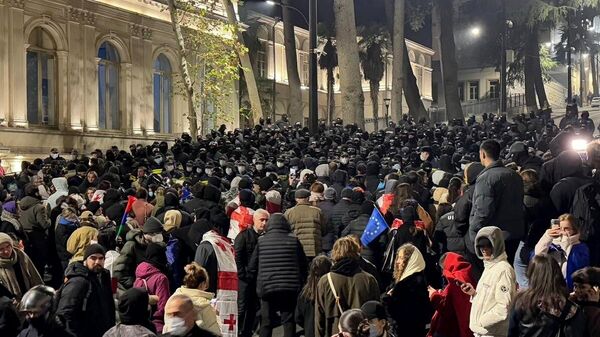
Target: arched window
<point x="162" y="94"/>
<point x="108" y="87"/>
<point x="41" y="78"/>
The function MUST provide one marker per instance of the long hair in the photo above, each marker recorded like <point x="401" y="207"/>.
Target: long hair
<point x="454" y="189"/>
<point x="319" y="266"/>
<point x="547" y="288"/>
<point x="402" y="192"/>
<point x="407" y="250"/>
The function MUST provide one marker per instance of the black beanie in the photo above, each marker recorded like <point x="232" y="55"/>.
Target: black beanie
<point x="152" y="226"/>
<point x="265" y="183"/>
<point x="245" y="184"/>
<point x="93" y="249"/>
<point x="346" y="193"/>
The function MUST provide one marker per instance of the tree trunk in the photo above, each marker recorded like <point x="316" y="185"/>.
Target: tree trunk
<point x="448" y="60"/>
<point x="529" y="72"/>
<point x="594" y="66"/>
<point x="352" y="98"/>
<point x="537" y="69"/>
<point x="253" y="93"/>
<point x="374" y="93"/>
<point x="291" y="58"/>
<point x="183" y="67"/>
<point x="330" y="96"/>
<point x="411" y="91"/>
<point x="398" y="59"/>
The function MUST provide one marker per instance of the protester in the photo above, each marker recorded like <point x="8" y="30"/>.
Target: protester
<point x="38" y="307"/>
<point x="133" y="315"/>
<point x="308" y="223"/>
<point x="17" y="272"/>
<point x="180" y="315"/>
<point x="305" y="306"/>
<point x="354" y="323"/>
<point x="544" y="308"/>
<point x="379" y="325"/>
<point x="34" y="219"/>
<point x="586" y="286"/>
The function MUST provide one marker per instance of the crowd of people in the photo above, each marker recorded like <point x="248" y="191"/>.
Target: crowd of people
<point x="485" y="227"/>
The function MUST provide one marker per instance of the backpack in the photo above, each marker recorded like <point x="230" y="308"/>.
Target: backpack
<point x="586" y="209"/>
<point x="58" y="294"/>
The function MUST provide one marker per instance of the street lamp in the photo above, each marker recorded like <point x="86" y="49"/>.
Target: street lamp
<point x="313" y="117"/>
<point x="475" y="31"/>
<point x="387" y="110"/>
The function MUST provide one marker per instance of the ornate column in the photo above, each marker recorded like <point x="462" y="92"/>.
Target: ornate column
<point x="137" y="91"/>
<point x="125" y="84"/>
<point x="76" y="75"/>
<point x="64" y="116"/>
<point x="4" y="94"/>
<point x="90" y="71"/>
<point x="17" y="73"/>
<point x="147" y="118"/>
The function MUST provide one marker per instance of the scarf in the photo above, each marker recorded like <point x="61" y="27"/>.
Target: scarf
<point x="566" y="242"/>
<point x="241" y="219"/>
<point x="415" y="264"/>
<point x="227" y="283"/>
<point x="8" y="217"/>
<point x="8" y="276"/>
<point x="347" y="267"/>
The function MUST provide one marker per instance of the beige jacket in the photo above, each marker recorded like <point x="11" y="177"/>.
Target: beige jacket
<point x="207" y="316"/>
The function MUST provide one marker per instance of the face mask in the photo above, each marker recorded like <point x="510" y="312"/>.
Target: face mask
<point x="424" y="156"/>
<point x="177" y="324"/>
<point x="151" y="194"/>
<point x="198" y="170"/>
<point x="241" y="169"/>
<point x="373" y="332"/>
<point x="259" y="167"/>
<point x="222" y="162"/>
<point x="208" y="172"/>
<point x="170" y="168"/>
<point x="158" y="160"/>
<point x="344" y="160"/>
<point x="156" y="238"/>
<point x="189" y="169"/>
<point x="279" y="164"/>
<point x="228" y="171"/>
<point x="54" y="155"/>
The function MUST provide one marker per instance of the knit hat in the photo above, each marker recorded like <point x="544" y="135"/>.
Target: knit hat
<point x="273" y="202"/>
<point x="330" y="193"/>
<point x="373" y="309"/>
<point x="265" y="183"/>
<point x="152" y="225"/>
<point x="346" y="193"/>
<point x="322" y="170"/>
<point x="302" y="193"/>
<point x="93" y="249"/>
<point x="4" y="238"/>
<point x="10" y="207"/>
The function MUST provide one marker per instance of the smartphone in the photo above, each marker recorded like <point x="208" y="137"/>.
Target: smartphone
<point x="554" y="223"/>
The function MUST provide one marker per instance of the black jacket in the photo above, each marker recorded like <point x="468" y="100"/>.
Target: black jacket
<point x="374" y="251"/>
<point x="338" y="212"/>
<point x="450" y="234"/>
<point x="85" y="302"/>
<point x="543" y="324"/>
<point x="244" y="245"/>
<point x="563" y="192"/>
<point x="408" y="306"/>
<point x="206" y="257"/>
<point x="53" y="329"/>
<point x="326" y="207"/>
<point x="278" y="261"/>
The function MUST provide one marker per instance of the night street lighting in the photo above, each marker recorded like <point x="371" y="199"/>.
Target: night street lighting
<point x="475" y="31"/>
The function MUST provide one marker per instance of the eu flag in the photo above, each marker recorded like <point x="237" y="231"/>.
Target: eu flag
<point x="375" y="227"/>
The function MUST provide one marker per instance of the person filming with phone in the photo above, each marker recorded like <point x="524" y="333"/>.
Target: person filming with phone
<point x="561" y="241"/>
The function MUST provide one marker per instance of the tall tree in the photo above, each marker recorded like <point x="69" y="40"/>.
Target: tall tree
<point x="350" y="79"/>
<point x="291" y="59"/>
<point x="398" y="59"/>
<point x="328" y="61"/>
<point x="373" y="46"/>
<point x="444" y="10"/>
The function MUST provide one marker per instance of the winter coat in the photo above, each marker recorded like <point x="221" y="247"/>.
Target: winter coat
<point x="34" y="216"/>
<point x="62" y="189"/>
<point x="353" y="286"/>
<point x="463" y="206"/>
<point x="54" y="329"/>
<point x="338" y="212"/>
<point x="408" y="305"/>
<point x="85" y="301"/>
<point x="450" y="234"/>
<point x="339" y="180"/>
<point x="326" y="207"/>
<point x="206" y="315"/>
<point x="496" y="191"/>
<point x="538" y="212"/>
<point x="278" y="261"/>
<point x="577" y="254"/>
<point x="206" y="257"/>
<point x="132" y="254"/>
<point x="64" y="229"/>
<point x="495" y="291"/>
<point x="9" y="224"/>
<point x="9" y="319"/>
<point x="186" y="218"/>
<point x="114" y="211"/>
<point x="142" y="210"/>
<point x="122" y="330"/>
<point x="244" y="246"/>
<point x="155" y="282"/>
<point x="563" y="192"/>
<point x="546" y="324"/>
<point x="308" y="224"/>
<point x="18" y="274"/>
<point x="592" y="312"/>
<point x="452" y="306"/>
<point x="374" y="251"/>
<point x="79" y="240"/>
<point x="304" y="315"/>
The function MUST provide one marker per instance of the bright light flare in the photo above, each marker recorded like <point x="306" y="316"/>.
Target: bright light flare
<point x="579" y="145"/>
<point x="475" y="31"/>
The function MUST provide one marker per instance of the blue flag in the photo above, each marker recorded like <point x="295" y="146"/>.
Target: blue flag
<point x="375" y="227"/>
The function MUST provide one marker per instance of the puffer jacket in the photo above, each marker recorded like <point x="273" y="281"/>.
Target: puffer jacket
<point x="34" y="216"/>
<point x="206" y="315"/>
<point x="79" y="240"/>
<point x="308" y="224"/>
<point x="353" y="286"/>
<point x="496" y="191"/>
<point x="450" y="234"/>
<point x="495" y="291"/>
<point x="278" y="261"/>
<point x="155" y="282"/>
<point x="546" y="324"/>
<point x="337" y="214"/>
<point x="132" y="255"/>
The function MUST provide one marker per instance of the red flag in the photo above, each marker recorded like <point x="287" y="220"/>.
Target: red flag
<point x="130" y="200"/>
<point x="397" y="223"/>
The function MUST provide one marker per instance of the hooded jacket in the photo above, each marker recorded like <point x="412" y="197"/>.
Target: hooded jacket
<point x="33" y="214"/>
<point x="132" y="254"/>
<point x="496" y="289"/>
<point x="353" y="286"/>
<point x="65" y="226"/>
<point x="133" y="314"/>
<point x="452" y="306"/>
<point x="339" y="180"/>
<point x="79" y="240"/>
<point x="149" y="277"/>
<point x="206" y="315"/>
<point x="278" y="261"/>
<point x="62" y="189"/>
<point x="85" y="302"/>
